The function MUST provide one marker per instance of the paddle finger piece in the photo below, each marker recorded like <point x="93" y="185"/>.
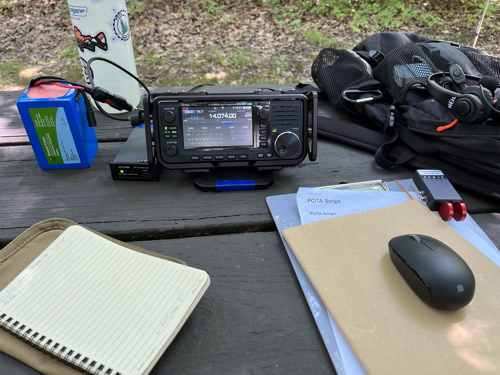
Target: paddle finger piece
<point x="459" y="211"/>
<point x="445" y="210"/>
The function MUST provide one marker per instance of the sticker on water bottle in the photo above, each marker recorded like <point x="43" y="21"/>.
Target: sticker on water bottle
<point x="120" y="26"/>
<point x="89" y="42"/>
<point x="77" y="11"/>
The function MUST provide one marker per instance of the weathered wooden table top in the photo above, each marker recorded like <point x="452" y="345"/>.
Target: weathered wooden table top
<point x="254" y="318"/>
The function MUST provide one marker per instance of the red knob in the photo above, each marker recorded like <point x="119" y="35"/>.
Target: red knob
<point x="445" y="210"/>
<point x="459" y="211"/>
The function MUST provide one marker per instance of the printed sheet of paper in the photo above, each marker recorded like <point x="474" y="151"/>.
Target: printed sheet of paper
<point x="286" y="215"/>
<point x="319" y="204"/>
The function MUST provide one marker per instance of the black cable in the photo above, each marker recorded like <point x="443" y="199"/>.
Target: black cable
<point x="109" y="115"/>
<point x="55" y="79"/>
<point x="199" y="86"/>
<point x="90" y="113"/>
<point x="92" y="84"/>
<point x="59" y="80"/>
<point x="119" y="67"/>
<point x="97" y="93"/>
<point x="88" y="108"/>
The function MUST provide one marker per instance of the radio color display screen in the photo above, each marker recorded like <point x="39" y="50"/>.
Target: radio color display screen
<point x="217" y="126"/>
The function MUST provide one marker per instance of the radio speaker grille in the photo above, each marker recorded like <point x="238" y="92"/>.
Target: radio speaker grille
<point x="285" y="114"/>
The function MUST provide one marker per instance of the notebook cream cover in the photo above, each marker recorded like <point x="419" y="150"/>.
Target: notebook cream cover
<point x="389" y="328"/>
<point x="87" y="299"/>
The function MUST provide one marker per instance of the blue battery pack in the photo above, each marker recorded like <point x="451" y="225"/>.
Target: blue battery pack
<point x="56" y="122"/>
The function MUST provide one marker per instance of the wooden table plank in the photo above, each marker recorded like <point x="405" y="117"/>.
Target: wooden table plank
<point x="253" y="319"/>
<point x="170" y="208"/>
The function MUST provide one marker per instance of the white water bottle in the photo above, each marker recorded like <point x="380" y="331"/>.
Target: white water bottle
<point x="101" y="29"/>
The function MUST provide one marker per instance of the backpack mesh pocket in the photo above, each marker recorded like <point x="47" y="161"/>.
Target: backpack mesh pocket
<point x="405" y="66"/>
<point x="335" y="70"/>
<point x="487" y="65"/>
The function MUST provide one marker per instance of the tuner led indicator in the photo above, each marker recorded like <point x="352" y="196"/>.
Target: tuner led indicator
<point x="121" y="171"/>
<point x="275" y="130"/>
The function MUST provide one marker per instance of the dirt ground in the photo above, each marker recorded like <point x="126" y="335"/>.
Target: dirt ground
<point x="184" y="43"/>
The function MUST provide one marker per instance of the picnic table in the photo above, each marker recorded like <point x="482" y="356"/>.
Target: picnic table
<point x="254" y="318"/>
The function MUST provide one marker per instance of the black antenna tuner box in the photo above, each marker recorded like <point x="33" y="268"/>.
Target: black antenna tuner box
<point x="132" y="162"/>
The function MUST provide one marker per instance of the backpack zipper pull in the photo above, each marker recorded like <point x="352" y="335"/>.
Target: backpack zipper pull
<point x="389" y="123"/>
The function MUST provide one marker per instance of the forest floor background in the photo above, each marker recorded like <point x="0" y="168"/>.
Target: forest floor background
<point x="183" y="43"/>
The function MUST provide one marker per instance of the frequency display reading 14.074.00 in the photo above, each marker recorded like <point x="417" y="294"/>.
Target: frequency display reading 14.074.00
<point x="217" y="126"/>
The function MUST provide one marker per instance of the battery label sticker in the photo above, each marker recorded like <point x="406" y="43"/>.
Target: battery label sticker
<point x="430" y="172"/>
<point x="55" y="135"/>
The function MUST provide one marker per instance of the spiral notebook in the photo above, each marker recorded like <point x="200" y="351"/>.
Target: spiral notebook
<point x="98" y="306"/>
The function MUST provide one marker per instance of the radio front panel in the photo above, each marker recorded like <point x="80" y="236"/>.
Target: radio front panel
<point x="249" y="130"/>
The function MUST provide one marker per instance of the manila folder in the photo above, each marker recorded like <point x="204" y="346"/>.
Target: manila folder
<point x="388" y="327"/>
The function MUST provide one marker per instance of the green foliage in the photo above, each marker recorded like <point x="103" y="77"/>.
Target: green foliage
<point x="376" y="14"/>
<point x="240" y="60"/>
<point x="4" y="4"/>
<point x="216" y="57"/>
<point x="316" y="37"/>
<point x="146" y="57"/>
<point x="69" y="52"/>
<point x="63" y="10"/>
<point x="211" y="6"/>
<point x="431" y="19"/>
<point x="135" y="5"/>
<point x="10" y="67"/>
<point x="388" y="14"/>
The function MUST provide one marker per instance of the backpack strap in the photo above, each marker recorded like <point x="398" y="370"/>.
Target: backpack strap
<point x="383" y="161"/>
<point x="416" y="146"/>
<point x="372" y="57"/>
<point x="372" y="140"/>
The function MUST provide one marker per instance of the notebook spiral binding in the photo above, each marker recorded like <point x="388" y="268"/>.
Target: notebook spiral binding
<point x="49" y="347"/>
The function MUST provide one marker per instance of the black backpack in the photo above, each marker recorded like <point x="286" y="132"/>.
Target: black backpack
<point x="381" y="102"/>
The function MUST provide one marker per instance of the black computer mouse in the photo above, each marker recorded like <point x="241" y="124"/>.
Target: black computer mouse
<point x="436" y="273"/>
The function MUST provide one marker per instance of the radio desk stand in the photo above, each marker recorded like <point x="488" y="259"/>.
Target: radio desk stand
<point x="232" y="141"/>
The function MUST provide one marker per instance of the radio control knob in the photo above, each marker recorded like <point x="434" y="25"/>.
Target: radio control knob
<point x="169" y="116"/>
<point x="171" y="150"/>
<point x="287" y="145"/>
<point x="263" y="113"/>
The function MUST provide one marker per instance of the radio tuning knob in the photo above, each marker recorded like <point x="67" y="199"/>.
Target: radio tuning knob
<point x="169" y="116"/>
<point x="287" y="145"/>
<point x="263" y="113"/>
<point x="171" y="150"/>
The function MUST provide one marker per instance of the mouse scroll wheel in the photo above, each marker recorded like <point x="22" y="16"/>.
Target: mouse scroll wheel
<point x="414" y="237"/>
